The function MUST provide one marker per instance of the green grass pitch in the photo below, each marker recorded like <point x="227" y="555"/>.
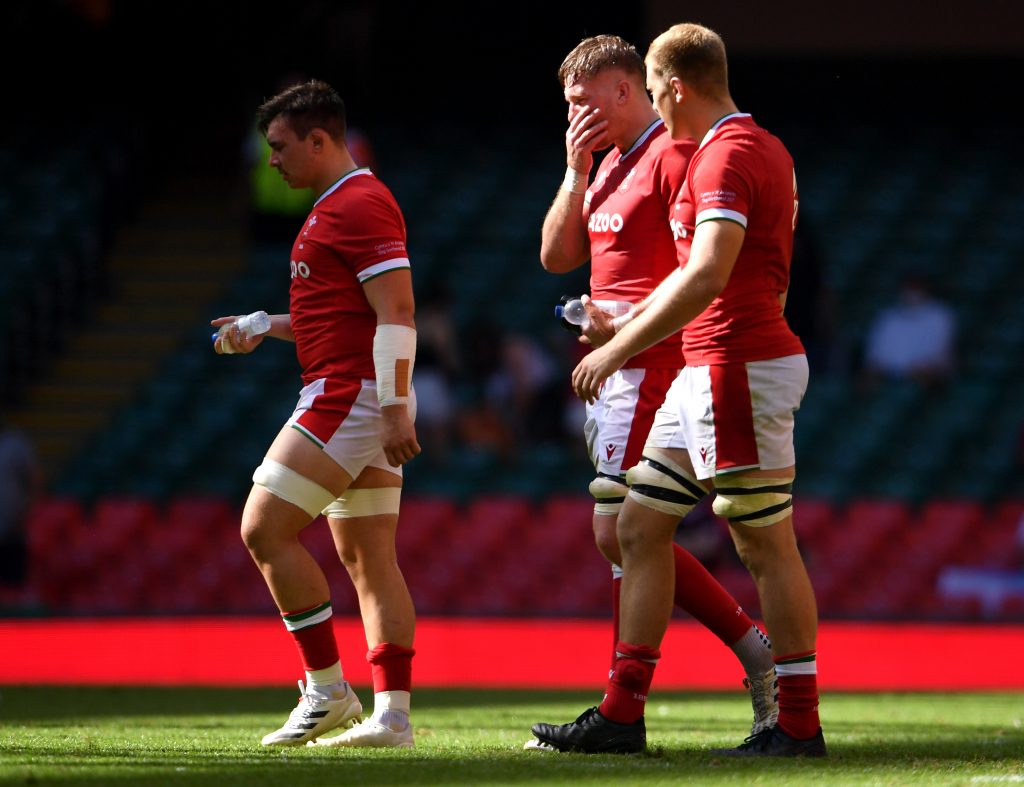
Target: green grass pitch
<point x="171" y="736"/>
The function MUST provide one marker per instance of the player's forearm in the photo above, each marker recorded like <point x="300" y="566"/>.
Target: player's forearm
<point x="653" y="296"/>
<point x="281" y="327"/>
<point x="397" y="313"/>
<point x="564" y="244"/>
<point x="681" y="297"/>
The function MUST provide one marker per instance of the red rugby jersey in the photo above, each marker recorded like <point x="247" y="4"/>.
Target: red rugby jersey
<point x="354" y="232"/>
<point x="631" y="240"/>
<point x="742" y="173"/>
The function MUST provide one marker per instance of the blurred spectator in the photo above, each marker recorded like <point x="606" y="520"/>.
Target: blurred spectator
<point x="20" y="485"/>
<point x="438" y="365"/>
<point x="521" y="398"/>
<point x="913" y="338"/>
<point x="527" y="390"/>
<point x="480" y="424"/>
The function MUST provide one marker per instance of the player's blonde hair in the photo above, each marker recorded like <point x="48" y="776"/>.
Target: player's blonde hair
<point x="593" y="55"/>
<point x="695" y="54"/>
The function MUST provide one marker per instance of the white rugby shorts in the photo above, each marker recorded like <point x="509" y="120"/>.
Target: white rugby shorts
<point x="619" y="421"/>
<point x="343" y="417"/>
<point x="734" y="416"/>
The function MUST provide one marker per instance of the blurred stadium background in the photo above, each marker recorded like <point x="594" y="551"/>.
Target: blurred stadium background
<point x="129" y="218"/>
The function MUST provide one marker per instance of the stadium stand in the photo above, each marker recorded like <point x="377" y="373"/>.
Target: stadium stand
<point x="896" y="482"/>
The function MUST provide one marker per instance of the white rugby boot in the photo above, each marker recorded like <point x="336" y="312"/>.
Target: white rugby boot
<point x="764" y="697"/>
<point x="370" y="733"/>
<point x="319" y="710"/>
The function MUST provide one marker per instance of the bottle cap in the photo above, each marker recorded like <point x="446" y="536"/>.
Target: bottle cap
<point x="559" y="310"/>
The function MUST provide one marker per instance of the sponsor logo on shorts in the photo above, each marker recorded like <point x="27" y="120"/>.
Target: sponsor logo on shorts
<point x="610" y="449"/>
<point x="704" y="455"/>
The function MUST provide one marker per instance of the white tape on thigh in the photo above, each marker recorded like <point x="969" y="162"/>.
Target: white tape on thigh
<point x="366" y="502"/>
<point x="283" y="482"/>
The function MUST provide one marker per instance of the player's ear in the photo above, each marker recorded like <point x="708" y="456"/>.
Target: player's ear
<point x="623" y="92"/>
<point x="316" y="136"/>
<point x="678" y="89"/>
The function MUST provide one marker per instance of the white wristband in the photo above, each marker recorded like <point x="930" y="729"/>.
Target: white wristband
<point x="394" y="354"/>
<point x="622" y="319"/>
<point x="574" y="182"/>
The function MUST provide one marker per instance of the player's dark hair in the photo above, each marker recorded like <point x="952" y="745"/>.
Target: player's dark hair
<point x="695" y="54"/>
<point x="597" y="53"/>
<point x="306" y="106"/>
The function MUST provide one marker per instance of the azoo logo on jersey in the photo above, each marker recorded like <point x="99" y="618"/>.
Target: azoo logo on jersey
<point x="602" y="222"/>
<point x="300" y="269"/>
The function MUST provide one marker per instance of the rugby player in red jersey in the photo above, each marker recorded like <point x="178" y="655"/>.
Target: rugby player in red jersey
<point x="342" y="450"/>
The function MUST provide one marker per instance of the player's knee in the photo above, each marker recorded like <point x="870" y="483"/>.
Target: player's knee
<point x="257" y="538"/>
<point x="750" y="555"/>
<point x="633" y="534"/>
<point x="754" y="502"/>
<point x="661" y="484"/>
<point x="607" y="541"/>
<point x="608" y="492"/>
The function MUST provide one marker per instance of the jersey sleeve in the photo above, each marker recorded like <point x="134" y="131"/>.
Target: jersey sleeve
<point x="721" y="185"/>
<point x="372" y="239"/>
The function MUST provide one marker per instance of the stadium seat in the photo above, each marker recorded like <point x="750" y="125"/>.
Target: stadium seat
<point x="127" y="517"/>
<point x="205" y="514"/>
<point x="51" y="522"/>
<point x="813" y="520"/>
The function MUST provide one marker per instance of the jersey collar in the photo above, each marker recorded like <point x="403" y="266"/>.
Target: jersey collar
<point x="719" y="122"/>
<point x="655" y="124"/>
<point x="337" y="184"/>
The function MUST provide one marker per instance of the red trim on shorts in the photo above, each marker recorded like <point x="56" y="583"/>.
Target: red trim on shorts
<point x="735" y="441"/>
<point x="650" y="396"/>
<point x="330" y="409"/>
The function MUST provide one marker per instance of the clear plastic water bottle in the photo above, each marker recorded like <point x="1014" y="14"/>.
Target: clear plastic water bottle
<point x="250" y="325"/>
<point x="574" y="313"/>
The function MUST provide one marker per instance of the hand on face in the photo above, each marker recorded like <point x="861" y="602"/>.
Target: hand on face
<point x="587" y="133"/>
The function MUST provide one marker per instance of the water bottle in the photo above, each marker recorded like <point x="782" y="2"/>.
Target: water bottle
<point x="574" y="313"/>
<point x="250" y="325"/>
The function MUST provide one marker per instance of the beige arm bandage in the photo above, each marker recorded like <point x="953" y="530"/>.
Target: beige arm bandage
<point x="394" y="354"/>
